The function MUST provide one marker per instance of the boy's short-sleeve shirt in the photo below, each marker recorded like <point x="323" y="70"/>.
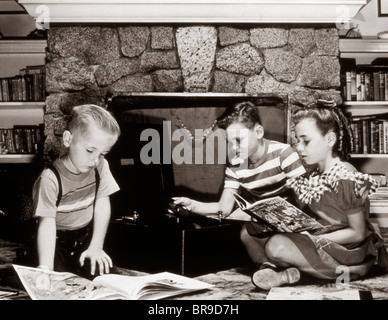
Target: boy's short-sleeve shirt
<point x="268" y="176"/>
<point x="75" y="209"/>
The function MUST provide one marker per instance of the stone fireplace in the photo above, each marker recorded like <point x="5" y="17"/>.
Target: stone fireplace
<point x="111" y="52"/>
<point x="92" y="64"/>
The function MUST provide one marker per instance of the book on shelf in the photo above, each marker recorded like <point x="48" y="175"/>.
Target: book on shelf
<point x="378" y="206"/>
<point x="378" y="200"/>
<point x="51" y="285"/>
<point x="351" y="86"/>
<point x="370" y="134"/>
<point x="28" y="85"/>
<point x="21" y="139"/>
<point x="381" y="180"/>
<point x="366" y="83"/>
<point x="382" y="190"/>
<point x="278" y="215"/>
<point x="379" y="216"/>
<point x="383" y="187"/>
<point x="300" y="293"/>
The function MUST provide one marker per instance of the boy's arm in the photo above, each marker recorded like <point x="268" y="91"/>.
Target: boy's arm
<point x="46" y="237"/>
<point x="100" y="226"/>
<point x="225" y="205"/>
<point x="291" y="163"/>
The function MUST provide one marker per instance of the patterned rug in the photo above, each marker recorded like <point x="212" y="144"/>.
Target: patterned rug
<point x="8" y="250"/>
<point x="231" y="284"/>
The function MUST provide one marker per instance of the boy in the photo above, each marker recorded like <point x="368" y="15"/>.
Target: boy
<point x="71" y="199"/>
<point x="261" y="169"/>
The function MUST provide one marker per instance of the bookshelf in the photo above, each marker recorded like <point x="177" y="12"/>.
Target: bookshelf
<point x="19" y="170"/>
<point x="365" y="51"/>
<point x="16" y="55"/>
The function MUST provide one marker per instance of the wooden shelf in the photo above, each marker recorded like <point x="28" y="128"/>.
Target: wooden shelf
<point x="23" y="47"/>
<point x="364" y="108"/>
<point x="15" y="55"/>
<point x="369" y="156"/>
<point x="364" y="45"/>
<point x="21" y="105"/>
<point x="366" y="103"/>
<point x="16" y="158"/>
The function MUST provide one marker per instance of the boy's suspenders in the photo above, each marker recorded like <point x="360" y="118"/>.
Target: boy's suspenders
<point x="55" y="171"/>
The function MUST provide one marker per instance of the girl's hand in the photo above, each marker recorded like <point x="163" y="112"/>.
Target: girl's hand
<point x="306" y="233"/>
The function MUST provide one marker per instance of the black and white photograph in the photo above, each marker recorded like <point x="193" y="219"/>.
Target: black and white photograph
<point x="383" y="8"/>
<point x="135" y="135"/>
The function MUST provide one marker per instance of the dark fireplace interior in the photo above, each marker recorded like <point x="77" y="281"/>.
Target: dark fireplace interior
<point x="146" y="188"/>
<point x="178" y="243"/>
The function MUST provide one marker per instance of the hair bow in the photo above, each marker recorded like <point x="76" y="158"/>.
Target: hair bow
<point x="321" y="103"/>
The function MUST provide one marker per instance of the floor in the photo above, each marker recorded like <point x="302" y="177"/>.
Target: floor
<point x="230" y="284"/>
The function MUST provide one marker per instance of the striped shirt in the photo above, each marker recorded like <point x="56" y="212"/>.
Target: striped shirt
<point x="75" y="209"/>
<point x="268" y="176"/>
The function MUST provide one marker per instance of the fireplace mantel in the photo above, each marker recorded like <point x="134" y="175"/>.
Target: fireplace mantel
<point x="193" y="11"/>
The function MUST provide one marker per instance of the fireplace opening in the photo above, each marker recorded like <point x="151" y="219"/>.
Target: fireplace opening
<point x="163" y="150"/>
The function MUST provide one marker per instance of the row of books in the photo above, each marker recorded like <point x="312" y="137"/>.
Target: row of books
<point x="370" y="134"/>
<point x="378" y="207"/>
<point x="28" y="85"/>
<point x="366" y="83"/>
<point x="21" y="139"/>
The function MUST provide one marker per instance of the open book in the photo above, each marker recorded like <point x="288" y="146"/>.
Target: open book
<point x="300" y="293"/>
<point x="50" y="285"/>
<point x="278" y="215"/>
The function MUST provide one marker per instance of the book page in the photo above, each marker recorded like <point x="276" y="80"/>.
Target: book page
<point x="241" y="202"/>
<point x="50" y="285"/>
<point x="279" y="213"/>
<point x="239" y="215"/>
<point x="154" y="286"/>
<point x="297" y="293"/>
<point x="284" y="216"/>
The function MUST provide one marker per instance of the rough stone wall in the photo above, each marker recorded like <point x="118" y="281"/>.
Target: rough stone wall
<point x="85" y="64"/>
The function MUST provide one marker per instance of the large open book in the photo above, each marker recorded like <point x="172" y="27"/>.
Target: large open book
<point x="278" y="215"/>
<point x="50" y="285"/>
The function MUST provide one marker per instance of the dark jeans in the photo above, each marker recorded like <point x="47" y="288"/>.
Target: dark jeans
<point x="69" y="247"/>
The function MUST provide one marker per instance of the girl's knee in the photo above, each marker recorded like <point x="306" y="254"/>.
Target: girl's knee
<point x="244" y="235"/>
<point x="276" y="247"/>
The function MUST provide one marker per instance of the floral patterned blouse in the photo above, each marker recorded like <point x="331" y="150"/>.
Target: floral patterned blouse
<point x="334" y="195"/>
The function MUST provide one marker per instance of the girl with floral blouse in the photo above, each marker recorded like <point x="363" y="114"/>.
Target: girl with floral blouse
<point x="336" y="194"/>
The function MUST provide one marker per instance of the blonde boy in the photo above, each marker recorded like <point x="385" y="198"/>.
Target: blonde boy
<point x="71" y="198"/>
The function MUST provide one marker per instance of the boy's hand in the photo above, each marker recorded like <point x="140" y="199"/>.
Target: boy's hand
<point x="96" y="257"/>
<point x="43" y="280"/>
<point x="186" y="203"/>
